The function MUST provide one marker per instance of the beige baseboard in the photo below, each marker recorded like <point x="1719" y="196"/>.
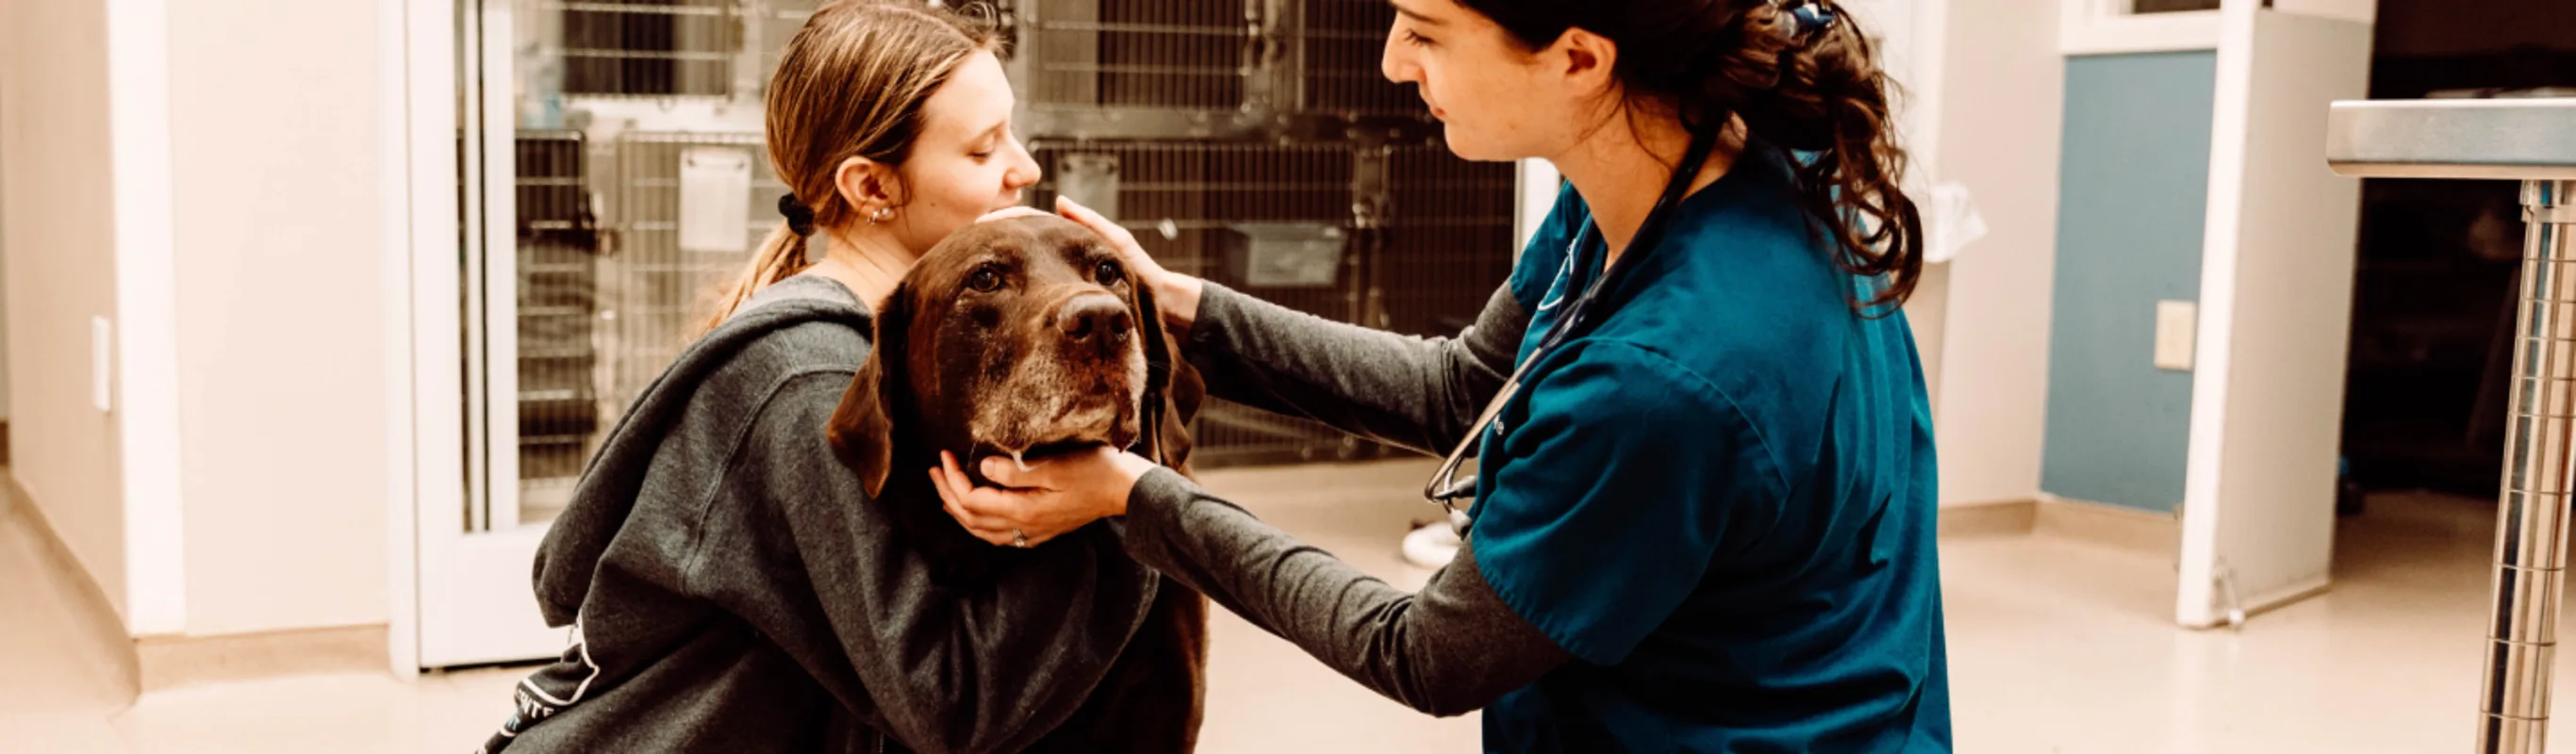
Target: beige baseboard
<point x="102" y="632"/>
<point x="172" y="661"/>
<point x="1999" y="518"/>
<point x="2091" y="523"/>
<point x="154" y="663"/>
<point x="2109" y="525"/>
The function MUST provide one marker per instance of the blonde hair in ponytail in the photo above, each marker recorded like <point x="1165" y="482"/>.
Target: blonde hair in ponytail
<point x="779" y="257"/>
<point x="851" y="84"/>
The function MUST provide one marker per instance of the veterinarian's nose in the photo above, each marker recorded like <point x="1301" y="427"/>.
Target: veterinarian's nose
<point x="1093" y="317"/>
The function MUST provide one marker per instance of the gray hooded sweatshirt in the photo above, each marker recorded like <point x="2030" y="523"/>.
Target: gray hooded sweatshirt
<point x="730" y="586"/>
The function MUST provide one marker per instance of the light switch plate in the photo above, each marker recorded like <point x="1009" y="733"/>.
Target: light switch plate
<point x="2177" y="325"/>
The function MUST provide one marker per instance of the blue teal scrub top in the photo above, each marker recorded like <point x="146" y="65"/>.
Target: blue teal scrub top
<point x="1721" y="500"/>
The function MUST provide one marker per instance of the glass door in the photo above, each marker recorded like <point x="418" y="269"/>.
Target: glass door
<point x="608" y="178"/>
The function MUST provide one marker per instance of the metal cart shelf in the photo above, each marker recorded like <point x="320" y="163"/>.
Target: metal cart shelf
<point x="2532" y="141"/>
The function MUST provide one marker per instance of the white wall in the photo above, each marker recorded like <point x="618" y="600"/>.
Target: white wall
<point x="4" y="295"/>
<point x="274" y="135"/>
<point x="4" y="271"/>
<point x="1910" y="43"/>
<point x="60" y="247"/>
<point x="1928" y="311"/>
<point x="2002" y="96"/>
<point x="4" y="264"/>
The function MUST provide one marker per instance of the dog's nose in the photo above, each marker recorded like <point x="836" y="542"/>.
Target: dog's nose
<point x="1093" y="317"/>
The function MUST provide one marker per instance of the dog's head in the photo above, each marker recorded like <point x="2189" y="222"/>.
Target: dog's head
<point x="1016" y="338"/>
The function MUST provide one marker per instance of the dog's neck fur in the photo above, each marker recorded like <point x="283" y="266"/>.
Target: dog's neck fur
<point x="956" y="556"/>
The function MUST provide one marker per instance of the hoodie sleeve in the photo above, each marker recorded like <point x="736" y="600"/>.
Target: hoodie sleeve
<point x="1411" y="392"/>
<point x="988" y="667"/>
<point x="1417" y="393"/>
<point x="1449" y="649"/>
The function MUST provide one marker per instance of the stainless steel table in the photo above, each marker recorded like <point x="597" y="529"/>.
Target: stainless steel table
<point x="2532" y="141"/>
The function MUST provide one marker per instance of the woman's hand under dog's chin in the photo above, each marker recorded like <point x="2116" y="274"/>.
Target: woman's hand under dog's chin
<point x="1055" y="495"/>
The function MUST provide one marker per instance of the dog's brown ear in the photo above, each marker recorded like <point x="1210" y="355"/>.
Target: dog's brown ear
<point x="1182" y="396"/>
<point x="863" y="428"/>
<point x="1188" y="390"/>
<point x="1170" y="379"/>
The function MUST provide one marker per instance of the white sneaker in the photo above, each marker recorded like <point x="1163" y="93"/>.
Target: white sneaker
<point x="1434" y="544"/>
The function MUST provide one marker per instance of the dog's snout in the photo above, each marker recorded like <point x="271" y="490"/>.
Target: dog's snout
<point x="1095" y="317"/>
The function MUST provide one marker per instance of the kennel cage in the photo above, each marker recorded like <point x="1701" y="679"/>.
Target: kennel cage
<point x="558" y="280"/>
<point x="1253" y="143"/>
<point x="1191" y="69"/>
<point x="611" y="101"/>
<point x="1278" y="221"/>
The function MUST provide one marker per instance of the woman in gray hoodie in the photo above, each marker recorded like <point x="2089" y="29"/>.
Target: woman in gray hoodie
<point x="729" y="584"/>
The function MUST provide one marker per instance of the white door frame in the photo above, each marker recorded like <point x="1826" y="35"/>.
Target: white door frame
<point x="2258" y="512"/>
<point x="459" y="579"/>
<point x="394" y="19"/>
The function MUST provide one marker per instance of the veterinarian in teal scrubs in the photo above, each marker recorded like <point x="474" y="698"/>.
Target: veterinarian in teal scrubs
<point x="1706" y="515"/>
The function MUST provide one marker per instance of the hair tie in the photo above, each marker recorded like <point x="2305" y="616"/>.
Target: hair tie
<point x="1811" y="17"/>
<point x="800" y="218"/>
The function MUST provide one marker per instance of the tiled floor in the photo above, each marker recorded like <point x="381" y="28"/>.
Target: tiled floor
<point x="2055" y="647"/>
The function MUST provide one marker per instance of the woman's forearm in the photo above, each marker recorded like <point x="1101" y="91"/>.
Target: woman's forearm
<point x="1450" y="649"/>
<point x="1418" y="393"/>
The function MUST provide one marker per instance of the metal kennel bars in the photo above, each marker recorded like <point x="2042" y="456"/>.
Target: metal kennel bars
<point x="1250" y="142"/>
<point x="1433" y="244"/>
<point x="1255" y="143"/>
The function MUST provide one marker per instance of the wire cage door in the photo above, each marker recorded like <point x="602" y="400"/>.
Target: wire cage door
<point x="1255" y="144"/>
<point x="609" y="172"/>
<point x="608" y="177"/>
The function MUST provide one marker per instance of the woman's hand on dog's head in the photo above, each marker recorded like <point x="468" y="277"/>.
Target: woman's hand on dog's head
<point x="1055" y="495"/>
<point x="1175" y="294"/>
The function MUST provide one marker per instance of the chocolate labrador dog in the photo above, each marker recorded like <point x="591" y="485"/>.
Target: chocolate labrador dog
<point x="1018" y="337"/>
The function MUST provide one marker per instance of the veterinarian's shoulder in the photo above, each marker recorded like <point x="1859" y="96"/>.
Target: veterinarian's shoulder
<point x="1744" y="290"/>
<point x="1749" y="304"/>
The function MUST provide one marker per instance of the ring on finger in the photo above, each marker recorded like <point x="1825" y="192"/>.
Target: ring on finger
<point x="1019" y="539"/>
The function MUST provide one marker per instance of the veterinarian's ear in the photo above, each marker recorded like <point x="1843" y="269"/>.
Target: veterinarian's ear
<point x="862" y="429"/>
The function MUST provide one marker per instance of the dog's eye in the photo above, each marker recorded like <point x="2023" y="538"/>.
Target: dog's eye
<point x="1108" y="274"/>
<point x="985" y="281"/>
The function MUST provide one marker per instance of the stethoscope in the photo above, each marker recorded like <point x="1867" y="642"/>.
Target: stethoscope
<point x="1445" y="488"/>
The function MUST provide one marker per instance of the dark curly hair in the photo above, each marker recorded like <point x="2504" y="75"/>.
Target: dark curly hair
<point x="1803" y="77"/>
